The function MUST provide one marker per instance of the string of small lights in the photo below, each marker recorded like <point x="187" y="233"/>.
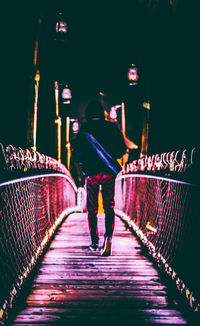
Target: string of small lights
<point x="16" y="158"/>
<point x="181" y="164"/>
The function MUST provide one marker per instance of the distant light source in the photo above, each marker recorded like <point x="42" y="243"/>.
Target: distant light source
<point x="146" y="105"/>
<point x="113" y="112"/>
<point x="66" y="95"/>
<point x="61" y="28"/>
<point x="75" y="126"/>
<point x="133" y="75"/>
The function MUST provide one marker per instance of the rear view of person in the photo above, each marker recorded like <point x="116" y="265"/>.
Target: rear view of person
<point x="98" y="145"/>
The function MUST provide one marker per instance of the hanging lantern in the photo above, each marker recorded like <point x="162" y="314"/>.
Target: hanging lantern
<point x="66" y="95"/>
<point x="133" y="75"/>
<point x="61" y="28"/>
<point x="146" y="104"/>
<point x="75" y="126"/>
<point x="113" y="112"/>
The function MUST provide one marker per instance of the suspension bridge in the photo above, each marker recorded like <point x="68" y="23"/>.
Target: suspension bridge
<point x="50" y="277"/>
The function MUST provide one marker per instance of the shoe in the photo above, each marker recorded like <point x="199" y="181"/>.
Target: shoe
<point x="94" y="246"/>
<point x="106" y="251"/>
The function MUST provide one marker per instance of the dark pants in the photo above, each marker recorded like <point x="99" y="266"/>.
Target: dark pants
<point x="107" y="182"/>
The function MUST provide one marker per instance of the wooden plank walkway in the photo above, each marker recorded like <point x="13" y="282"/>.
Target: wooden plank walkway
<point x="75" y="285"/>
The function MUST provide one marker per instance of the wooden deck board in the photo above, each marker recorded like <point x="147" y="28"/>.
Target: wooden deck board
<point x="75" y="285"/>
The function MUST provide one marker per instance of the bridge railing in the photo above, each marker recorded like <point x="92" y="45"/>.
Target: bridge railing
<point x="18" y="159"/>
<point x="168" y="163"/>
<point x="159" y="197"/>
<point x="36" y="194"/>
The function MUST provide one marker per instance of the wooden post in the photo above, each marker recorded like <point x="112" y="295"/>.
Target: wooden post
<point x="68" y="145"/>
<point x="123" y="119"/>
<point x="32" y="129"/>
<point x="37" y="78"/>
<point x="58" y="122"/>
<point x="123" y="128"/>
<point x="145" y="130"/>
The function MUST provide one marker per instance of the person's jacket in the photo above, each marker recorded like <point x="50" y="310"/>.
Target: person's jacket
<point x="97" y="147"/>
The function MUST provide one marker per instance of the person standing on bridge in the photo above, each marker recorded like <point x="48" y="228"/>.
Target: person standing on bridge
<point x="97" y="147"/>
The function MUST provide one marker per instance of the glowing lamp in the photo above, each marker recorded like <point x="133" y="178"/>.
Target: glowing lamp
<point x="146" y="105"/>
<point x="75" y="126"/>
<point x="66" y="95"/>
<point x="113" y="113"/>
<point x="61" y="28"/>
<point x="133" y="75"/>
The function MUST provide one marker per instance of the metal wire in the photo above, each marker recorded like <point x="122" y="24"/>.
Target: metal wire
<point x="164" y="213"/>
<point x="31" y="208"/>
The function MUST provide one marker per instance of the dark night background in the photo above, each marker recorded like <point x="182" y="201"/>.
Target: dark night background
<point x="103" y="39"/>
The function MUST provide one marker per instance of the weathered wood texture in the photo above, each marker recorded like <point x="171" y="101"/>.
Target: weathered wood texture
<point x="77" y="286"/>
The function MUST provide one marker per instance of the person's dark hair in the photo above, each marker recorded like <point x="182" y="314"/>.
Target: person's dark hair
<point x="94" y="110"/>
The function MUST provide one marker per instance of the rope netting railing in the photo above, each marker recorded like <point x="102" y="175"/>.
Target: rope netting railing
<point x="164" y="213"/>
<point x="31" y="208"/>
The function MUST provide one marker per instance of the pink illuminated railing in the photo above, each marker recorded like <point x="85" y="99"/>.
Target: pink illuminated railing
<point x="155" y="196"/>
<point x="31" y="208"/>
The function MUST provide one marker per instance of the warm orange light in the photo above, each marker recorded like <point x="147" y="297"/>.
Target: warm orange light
<point x="35" y="53"/>
<point x="37" y="78"/>
<point x="123" y="118"/>
<point x="68" y="145"/>
<point x="58" y="122"/>
<point x="56" y="98"/>
<point x="146" y="105"/>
